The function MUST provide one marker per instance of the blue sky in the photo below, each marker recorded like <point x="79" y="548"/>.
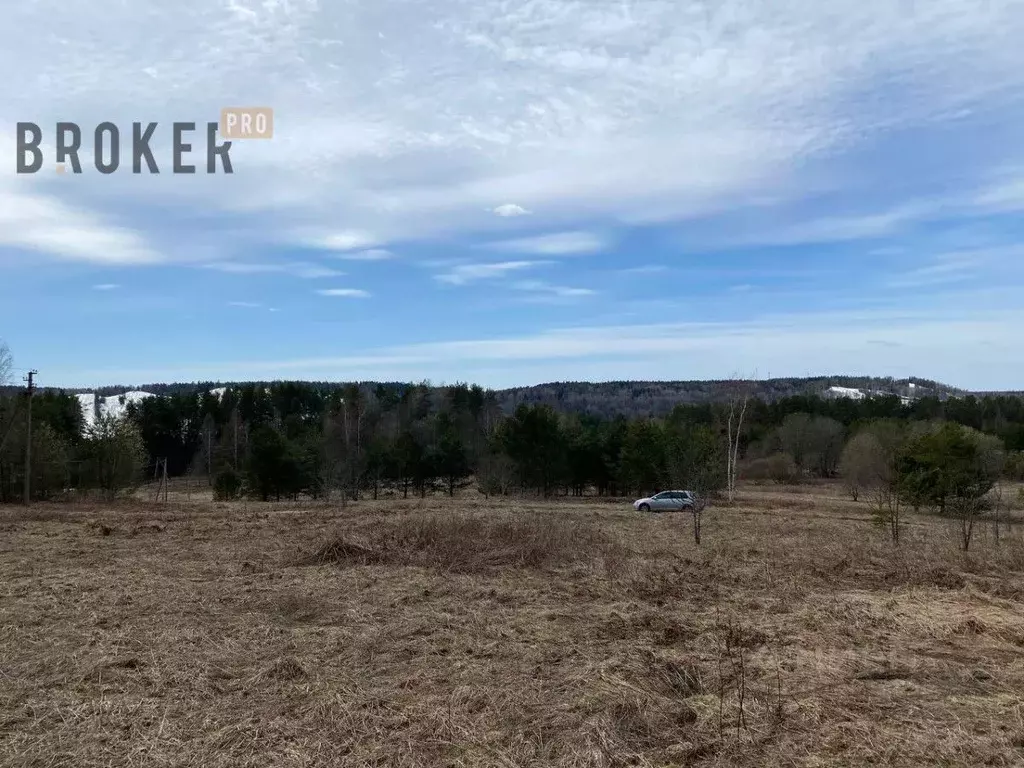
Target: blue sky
<point x="511" y="193"/>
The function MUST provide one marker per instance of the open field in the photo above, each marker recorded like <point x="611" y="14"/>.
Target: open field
<point x="505" y="633"/>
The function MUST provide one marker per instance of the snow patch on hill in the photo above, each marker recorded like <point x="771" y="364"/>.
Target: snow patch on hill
<point x="87" y="402"/>
<point x="94" y="407"/>
<point x="117" y="405"/>
<point x="850" y="392"/>
<point x="860" y="394"/>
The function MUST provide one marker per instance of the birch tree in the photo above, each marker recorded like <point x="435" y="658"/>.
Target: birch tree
<point x="738" y="400"/>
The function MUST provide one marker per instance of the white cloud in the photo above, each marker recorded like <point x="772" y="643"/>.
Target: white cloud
<point x="852" y="227"/>
<point x="646" y="269"/>
<point x="548" y="291"/>
<point x="314" y="271"/>
<point x="32" y="220"/>
<point x="37" y="212"/>
<point x="106" y="287"/>
<point x="965" y="341"/>
<point x="510" y="209"/>
<point x="559" y="244"/>
<point x="345" y="241"/>
<point x="244" y="304"/>
<point x="627" y="110"/>
<point x="349" y="293"/>
<point x="466" y="273"/>
<point x="373" y="254"/>
<point x="1003" y="194"/>
<point x="243" y="268"/>
<point x="298" y="269"/>
<point x="959" y="266"/>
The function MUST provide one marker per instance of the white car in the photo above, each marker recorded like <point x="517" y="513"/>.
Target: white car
<point x="666" y="501"/>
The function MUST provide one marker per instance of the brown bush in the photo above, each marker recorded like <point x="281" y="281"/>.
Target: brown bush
<point x="470" y="544"/>
<point x="778" y="468"/>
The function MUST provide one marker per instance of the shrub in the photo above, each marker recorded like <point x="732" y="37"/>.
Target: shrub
<point x="117" y="454"/>
<point x="952" y="470"/>
<point x="863" y="465"/>
<point x="777" y="468"/>
<point x="1014" y="469"/>
<point x="227" y="485"/>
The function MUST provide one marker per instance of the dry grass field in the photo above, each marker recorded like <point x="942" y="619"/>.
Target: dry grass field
<point x="505" y="633"/>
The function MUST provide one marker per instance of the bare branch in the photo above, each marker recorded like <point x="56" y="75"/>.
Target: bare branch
<point x="6" y="364"/>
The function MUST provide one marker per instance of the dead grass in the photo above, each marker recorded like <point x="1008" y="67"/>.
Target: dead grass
<point x="502" y="633"/>
<point x="469" y="543"/>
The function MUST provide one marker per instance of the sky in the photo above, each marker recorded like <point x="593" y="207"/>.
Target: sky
<point x="511" y="193"/>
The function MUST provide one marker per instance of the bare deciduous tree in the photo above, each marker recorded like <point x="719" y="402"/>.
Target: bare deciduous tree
<point x="863" y="464"/>
<point x="997" y="509"/>
<point x="871" y="462"/>
<point x="118" y="454"/>
<point x="6" y="364"/>
<point x="889" y="504"/>
<point x="496" y="472"/>
<point x="694" y="461"/>
<point x="6" y="369"/>
<point x="738" y="401"/>
<point x="972" y="498"/>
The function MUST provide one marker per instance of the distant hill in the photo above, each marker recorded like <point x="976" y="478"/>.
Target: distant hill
<point x="658" y="398"/>
<point x="604" y="399"/>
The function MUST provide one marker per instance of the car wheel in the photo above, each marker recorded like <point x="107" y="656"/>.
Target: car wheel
<point x="645" y="507"/>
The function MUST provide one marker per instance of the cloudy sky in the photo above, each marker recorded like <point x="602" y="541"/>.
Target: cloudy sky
<point x="514" y="192"/>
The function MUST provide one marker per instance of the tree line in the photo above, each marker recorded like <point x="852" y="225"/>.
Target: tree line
<point x="632" y="399"/>
<point x="290" y="439"/>
<point x="944" y="467"/>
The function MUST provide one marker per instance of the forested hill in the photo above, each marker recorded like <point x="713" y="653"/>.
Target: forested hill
<point x="631" y="399"/>
<point x="658" y="398"/>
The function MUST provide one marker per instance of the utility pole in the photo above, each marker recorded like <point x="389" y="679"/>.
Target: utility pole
<point x="28" y="439"/>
